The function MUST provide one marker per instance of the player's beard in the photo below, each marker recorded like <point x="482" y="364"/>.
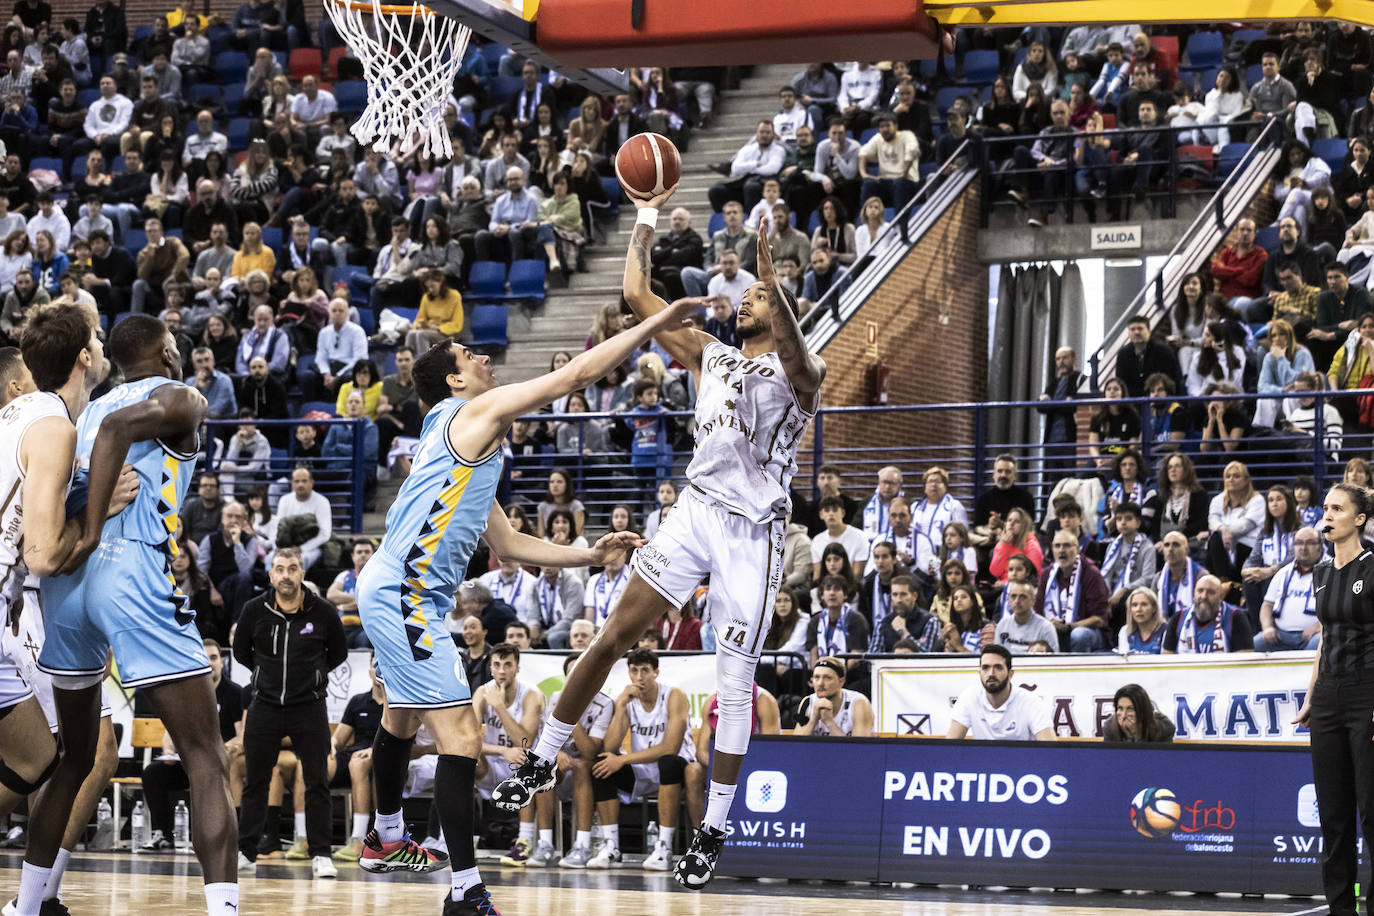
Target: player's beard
<point x="746" y="331"/>
<point x="994" y="685"/>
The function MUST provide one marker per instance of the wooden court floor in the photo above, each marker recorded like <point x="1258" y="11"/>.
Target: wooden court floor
<point x="127" y="885"/>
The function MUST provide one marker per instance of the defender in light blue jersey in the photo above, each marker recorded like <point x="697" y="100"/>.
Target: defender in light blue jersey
<point x="124" y="598"/>
<point x="446" y="503"/>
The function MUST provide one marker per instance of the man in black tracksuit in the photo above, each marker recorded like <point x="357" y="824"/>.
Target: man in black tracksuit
<point x="291" y="640"/>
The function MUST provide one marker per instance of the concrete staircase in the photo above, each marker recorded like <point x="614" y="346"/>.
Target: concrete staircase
<point x="565" y="318"/>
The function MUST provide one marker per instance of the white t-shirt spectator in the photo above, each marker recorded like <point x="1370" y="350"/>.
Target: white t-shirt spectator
<point x="851" y="539"/>
<point x="1291" y="594"/>
<point x="1016" y="638"/>
<point x="1244" y="521"/>
<point x="1018" y="719"/>
<point x="735" y="288"/>
<point x="891" y="155"/>
<point x="324" y="104"/>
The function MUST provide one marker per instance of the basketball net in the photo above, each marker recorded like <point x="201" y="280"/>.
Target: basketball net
<point x="411" y="56"/>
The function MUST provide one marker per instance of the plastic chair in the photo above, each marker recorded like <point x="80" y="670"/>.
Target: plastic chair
<point x="527" y="279"/>
<point x="238" y="132"/>
<point x="46" y="162"/>
<point x="305" y="62"/>
<point x="351" y="96"/>
<point x="1267" y="237"/>
<point x="233" y="98"/>
<point x="1332" y="151"/>
<point x="272" y="237"/>
<point x="487" y="280"/>
<point x="87" y="97"/>
<point x="488" y="325"/>
<point x="1231" y="155"/>
<point x="980" y="67"/>
<point x="366" y="319"/>
<point x="326" y="407"/>
<point x="336" y="55"/>
<point x="944" y="98"/>
<point x="716" y="223"/>
<point x="135" y="240"/>
<point x="1204" y="50"/>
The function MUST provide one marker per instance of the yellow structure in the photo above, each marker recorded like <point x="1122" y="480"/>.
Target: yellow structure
<point x="1004" y="13"/>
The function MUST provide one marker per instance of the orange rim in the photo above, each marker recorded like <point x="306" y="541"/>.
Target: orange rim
<point x="387" y="9"/>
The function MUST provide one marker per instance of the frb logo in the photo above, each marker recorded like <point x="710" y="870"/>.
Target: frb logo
<point x="765" y="792"/>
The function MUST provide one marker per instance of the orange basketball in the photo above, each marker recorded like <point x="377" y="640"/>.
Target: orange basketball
<point x="647" y="164"/>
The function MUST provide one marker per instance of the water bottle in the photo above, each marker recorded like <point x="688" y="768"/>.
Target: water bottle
<point x="651" y="837"/>
<point x="596" y="834"/>
<point x="181" y="827"/>
<point x="104" y="827"/>
<point x="137" y="832"/>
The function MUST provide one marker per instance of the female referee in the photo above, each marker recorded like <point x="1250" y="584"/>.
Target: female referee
<point x="1339" y="709"/>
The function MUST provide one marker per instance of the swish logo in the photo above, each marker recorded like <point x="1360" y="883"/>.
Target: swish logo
<point x="765" y="792"/>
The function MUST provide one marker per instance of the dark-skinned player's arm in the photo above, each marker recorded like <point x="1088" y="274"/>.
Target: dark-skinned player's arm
<point x="47" y="454"/>
<point x="488" y="417"/>
<point x="804" y="370"/>
<point x="510" y="544"/>
<point x="683" y="344"/>
<point x="171" y="414"/>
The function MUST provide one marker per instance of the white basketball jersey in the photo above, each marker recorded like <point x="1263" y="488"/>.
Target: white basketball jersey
<point x="748" y="425"/>
<point x="844" y="716"/>
<point x="647" y="728"/>
<point x="15" y="420"/>
<point x="595" y="721"/>
<point x="496" y="733"/>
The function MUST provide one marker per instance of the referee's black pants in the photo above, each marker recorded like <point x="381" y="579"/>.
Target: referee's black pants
<point x="307" y="725"/>
<point x="1343" y="772"/>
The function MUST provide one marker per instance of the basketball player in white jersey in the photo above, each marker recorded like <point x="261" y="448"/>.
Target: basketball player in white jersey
<point x="20" y="641"/>
<point x="833" y="711"/>
<point x="37" y="455"/>
<point x="509" y="710"/>
<point x="753" y="406"/>
<point x="584" y="746"/>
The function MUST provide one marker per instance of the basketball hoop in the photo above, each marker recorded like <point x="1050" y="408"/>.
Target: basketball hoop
<point x="411" y="56"/>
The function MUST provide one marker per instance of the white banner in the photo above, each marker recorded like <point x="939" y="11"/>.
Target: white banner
<point x="1237" y="697"/>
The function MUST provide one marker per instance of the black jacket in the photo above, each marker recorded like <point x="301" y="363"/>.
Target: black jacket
<point x="290" y="655"/>
<point x="678" y="250"/>
<point x="1134" y="370"/>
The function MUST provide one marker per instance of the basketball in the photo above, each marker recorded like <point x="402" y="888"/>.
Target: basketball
<point x="647" y="164"/>
<point x="1155" y="812"/>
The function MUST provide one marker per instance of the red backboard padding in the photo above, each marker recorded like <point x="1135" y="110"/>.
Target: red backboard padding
<point x="599" y="33"/>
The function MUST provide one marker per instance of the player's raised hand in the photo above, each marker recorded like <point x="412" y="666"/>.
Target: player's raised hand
<point x="656" y="202"/>
<point x="613" y="544"/>
<point x="765" y="260"/>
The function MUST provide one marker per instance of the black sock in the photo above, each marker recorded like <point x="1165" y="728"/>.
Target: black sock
<point x="271" y="833"/>
<point x="390" y="761"/>
<point x="453" y="779"/>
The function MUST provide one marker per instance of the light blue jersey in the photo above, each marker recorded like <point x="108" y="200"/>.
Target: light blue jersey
<point x="404" y="593"/>
<point x="125" y="597"/>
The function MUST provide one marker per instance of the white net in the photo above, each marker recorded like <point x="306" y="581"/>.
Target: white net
<point x="411" y="56"/>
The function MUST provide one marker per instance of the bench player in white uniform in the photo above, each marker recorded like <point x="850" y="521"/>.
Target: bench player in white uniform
<point x="583" y="747"/>
<point x="509" y="710"/>
<point x="833" y="711"/>
<point x="655" y="717"/>
<point x="753" y="406"/>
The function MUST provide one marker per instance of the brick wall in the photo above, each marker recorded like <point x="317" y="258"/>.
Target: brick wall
<point x="931" y="317"/>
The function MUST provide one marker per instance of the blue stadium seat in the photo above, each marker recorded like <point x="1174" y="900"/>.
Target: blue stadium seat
<point x="78" y="168"/>
<point x="366" y="319"/>
<point x="527" y="279"/>
<point x="873" y="131"/>
<point x="46" y="162"/>
<point x="611" y="188"/>
<point x="272" y="237"/>
<point x="121" y="316"/>
<point x="233" y="97"/>
<point x="927" y="169"/>
<point x="231" y="67"/>
<point x="279" y="463"/>
<point x="116" y="166"/>
<point x="282" y="60"/>
<point x="142" y="32"/>
<point x="1331" y="150"/>
<point x="944" y="98"/>
<point x="409" y="314"/>
<point x="206" y="95"/>
<point x="716" y="224"/>
<point x="238" y="132"/>
<point x="86" y="97"/>
<point x="491" y="53"/>
<point x="814" y="223"/>
<point x="928" y="68"/>
<point x="135" y="240"/>
<point x="1253" y="74"/>
<point x="888" y="213"/>
<point x="501" y="88"/>
<point x="219" y="38"/>
<point x="352" y="276"/>
<point x="1230" y="157"/>
<point x="321" y="406"/>
<point x="351" y="96"/>
<point x="488" y="325"/>
<point x="1204" y="49"/>
<point x="487" y="280"/>
<point x="1248" y="35"/>
<point x="174" y="234"/>
<point x="1267" y="237"/>
<point x="980" y="67"/>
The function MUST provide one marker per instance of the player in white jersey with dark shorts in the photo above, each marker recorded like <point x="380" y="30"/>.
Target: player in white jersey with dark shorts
<point x="753" y="406"/>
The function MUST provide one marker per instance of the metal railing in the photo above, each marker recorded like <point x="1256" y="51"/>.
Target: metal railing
<point x="340" y="480"/>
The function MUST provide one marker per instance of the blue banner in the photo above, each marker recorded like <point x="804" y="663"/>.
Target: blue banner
<point x="1169" y="817"/>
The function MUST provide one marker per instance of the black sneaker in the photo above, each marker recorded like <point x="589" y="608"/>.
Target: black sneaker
<point x="530" y="778"/>
<point x="476" y="902"/>
<point x="51" y="907"/>
<point x="157" y="843"/>
<point x="694" y="870"/>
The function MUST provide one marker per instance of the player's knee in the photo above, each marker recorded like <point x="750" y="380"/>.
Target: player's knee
<point x="25" y="773"/>
<point x="359" y="768"/>
<point x="603" y="790"/>
<point x="695" y="774"/>
<point x="672" y="769"/>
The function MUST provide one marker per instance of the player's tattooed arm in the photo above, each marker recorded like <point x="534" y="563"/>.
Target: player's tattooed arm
<point x="805" y="371"/>
<point x="683" y="344"/>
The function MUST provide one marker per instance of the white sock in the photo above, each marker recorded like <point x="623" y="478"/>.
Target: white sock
<point x="360" y="825"/>
<point x="32" y="881"/>
<point x="718" y="800"/>
<point x="546" y="836"/>
<point x="527" y="830"/>
<point x="665" y="836"/>
<point x="611" y="834"/>
<point x="59" y="865"/>
<point x="390" y="827"/>
<point x="463" y="880"/>
<point x="222" y="899"/>
<point x="552" y="738"/>
<point x="584" y="839"/>
<point x="300" y="825"/>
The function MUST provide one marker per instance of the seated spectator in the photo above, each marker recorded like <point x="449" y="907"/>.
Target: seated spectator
<point x="735" y="237"/>
<point x="1318" y="93"/>
<point x="757" y="160"/>
<point x="1142" y="356"/>
<point x="1225" y="103"/>
<point x="1143" y="158"/>
<point x="835" y="232"/>
<point x="341" y="344"/>
<point x="1284" y="362"/>
<point x="229" y="555"/>
<point x="953" y="574"/>
<point x="1338" y="311"/>
<point x="1210" y="625"/>
<point x="826" y="273"/>
<point x="1129" y="561"/>
<point x="1351" y="184"/>
<point x="1239" y="268"/>
<point x="310" y="110"/>
<point x="1227" y="422"/>
<point x="1016" y="538"/>
<point x="440" y="316"/>
<point x="1215" y="360"/>
<point x="994" y="710"/>
<point x="831" y="710"/>
<point x="1112" y="78"/>
<point x="106" y="120"/>
<point x="363" y="377"/>
<point x="898" y="154"/>
<point x="953" y="542"/>
<point x="857" y="99"/>
<point x="1115" y="427"/>
<point x="217" y="388"/>
<point x="1301" y="414"/>
<point x="967" y="629"/>
<point x="162" y="261"/>
<point x="679" y="248"/>
<point x="437" y="250"/>
<point x="560" y="227"/>
<point x="871" y="224"/>
<point x="906" y="620"/>
<point x="111" y="276"/>
<point x="1073" y="597"/>
<point x="266" y="342"/>
<point x="201" y="218"/>
<point x="586" y="131"/>
<point x="1274" y="550"/>
<point x="937" y="508"/>
<point x="1273" y="96"/>
<point x="1143" y="632"/>
<point x="24" y="297"/>
<point x="1135" y="719"/>
<point x="246" y="458"/>
<point x="1287" y="615"/>
<point x="201" y="143"/>
<point x="726" y="290"/>
<point x="1046" y="159"/>
<point x="831" y="512"/>
<point x="1235" y="517"/>
<point x="1037" y="67"/>
<point x="1019" y="626"/>
<point x="304" y="517"/>
<point x="1353" y="362"/>
<point x="514" y="229"/>
<point x="498" y="170"/>
<point x="48" y="263"/>
<point x="1145" y="87"/>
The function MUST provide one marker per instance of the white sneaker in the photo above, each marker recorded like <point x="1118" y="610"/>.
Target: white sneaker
<point x="323" y="867"/>
<point x="246" y="864"/>
<point x="608" y="857"/>
<point x="578" y="857"/>
<point x="542" y="856"/>
<point x="11" y="908"/>
<point x="660" y="860"/>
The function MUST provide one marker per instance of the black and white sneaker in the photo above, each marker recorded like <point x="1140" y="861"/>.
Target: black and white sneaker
<point x="530" y="778"/>
<point x="694" y="870"/>
<point x="476" y="902"/>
